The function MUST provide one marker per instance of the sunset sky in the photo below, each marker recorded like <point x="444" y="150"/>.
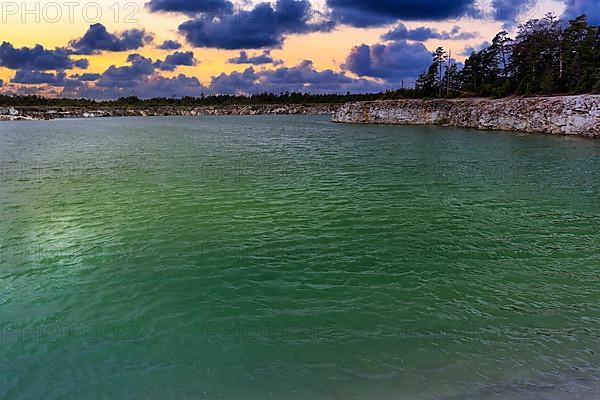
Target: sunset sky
<point x="104" y="49"/>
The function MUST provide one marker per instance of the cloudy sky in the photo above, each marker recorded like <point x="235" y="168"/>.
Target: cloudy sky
<point x="147" y="48"/>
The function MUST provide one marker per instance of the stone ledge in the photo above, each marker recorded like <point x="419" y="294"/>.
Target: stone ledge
<point x="560" y="115"/>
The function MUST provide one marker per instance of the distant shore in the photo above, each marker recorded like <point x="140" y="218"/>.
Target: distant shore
<point x="48" y="113"/>
<point x="559" y="115"/>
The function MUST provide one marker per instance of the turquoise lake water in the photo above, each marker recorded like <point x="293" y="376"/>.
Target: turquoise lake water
<point x="290" y="257"/>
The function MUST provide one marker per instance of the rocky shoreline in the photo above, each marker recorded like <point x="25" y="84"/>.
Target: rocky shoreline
<point x="46" y="113"/>
<point x="561" y="115"/>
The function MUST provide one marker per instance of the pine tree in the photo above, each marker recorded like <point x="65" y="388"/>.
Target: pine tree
<point x="430" y="84"/>
<point x="439" y="59"/>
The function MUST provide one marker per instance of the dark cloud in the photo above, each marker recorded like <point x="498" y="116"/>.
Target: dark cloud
<point x="591" y="8"/>
<point x="367" y="13"/>
<point x="87" y="77"/>
<point x="58" y="79"/>
<point x="235" y="82"/>
<point x="181" y="58"/>
<point x="20" y="90"/>
<point x="172" y="61"/>
<point x="140" y="68"/>
<point x="179" y="86"/>
<point x="393" y="62"/>
<point x="363" y="13"/>
<point x="97" y="39"/>
<point x="170" y="45"/>
<point x="467" y="51"/>
<point x="33" y="77"/>
<point x="511" y="12"/>
<point x="82" y="63"/>
<point x="303" y="73"/>
<point x="302" y="78"/>
<point x="259" y="59"/>
<point x="38" y="77"/>
<point x="423" y="33"/>
<point x="37" y="58"/>
<point x="145" y="87"/>
<point x="263" y="26"/>
<point x="215" y="7"/>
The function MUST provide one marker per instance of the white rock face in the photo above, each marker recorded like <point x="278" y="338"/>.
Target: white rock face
<point x="561" y="115"/>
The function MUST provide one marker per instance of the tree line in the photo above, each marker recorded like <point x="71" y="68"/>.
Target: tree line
<point x="206" y="101"/>
<point x="547" y="56"/>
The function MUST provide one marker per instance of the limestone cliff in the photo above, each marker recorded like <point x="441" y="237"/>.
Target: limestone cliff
<point x="562" y="115"/>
